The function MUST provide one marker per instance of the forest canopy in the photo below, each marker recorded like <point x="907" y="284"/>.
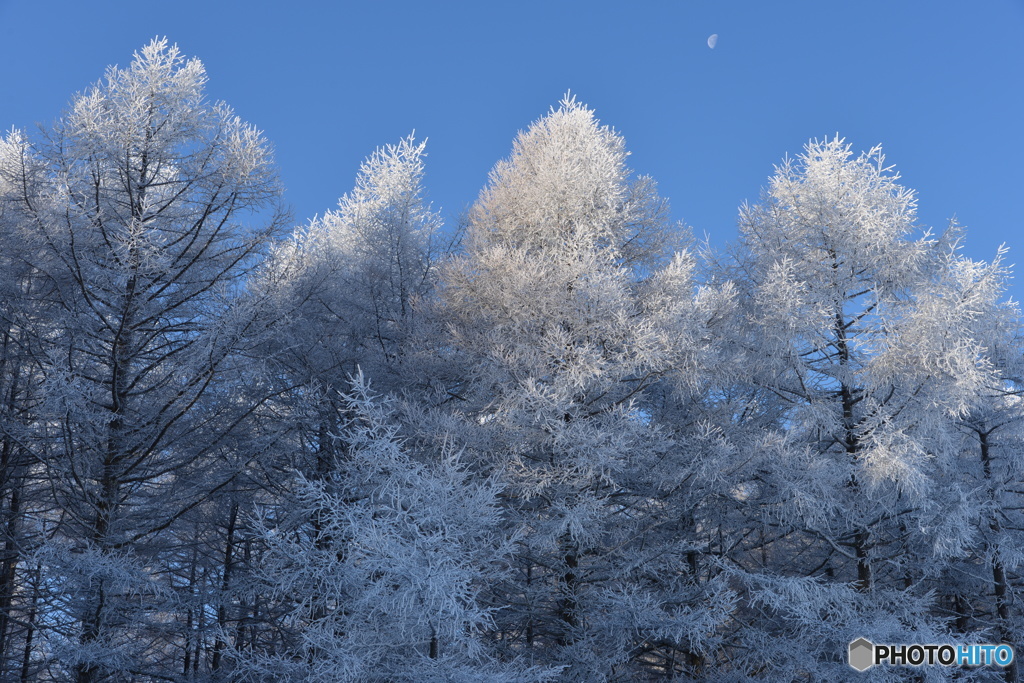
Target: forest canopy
<point x="558" y="440"/>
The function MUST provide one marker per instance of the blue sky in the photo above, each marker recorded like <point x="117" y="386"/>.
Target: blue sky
<point x="939" y="84"/>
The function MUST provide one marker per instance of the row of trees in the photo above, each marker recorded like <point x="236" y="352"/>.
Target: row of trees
<point x="561" y="442"/>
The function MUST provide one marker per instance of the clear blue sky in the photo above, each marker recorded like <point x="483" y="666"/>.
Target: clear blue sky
<point x="940" y="84"/>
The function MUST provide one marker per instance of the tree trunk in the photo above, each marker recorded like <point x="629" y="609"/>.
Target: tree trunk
<point x="222" y="610"/>
<point x="999" y="582"/>
<point x="568" y="608"/>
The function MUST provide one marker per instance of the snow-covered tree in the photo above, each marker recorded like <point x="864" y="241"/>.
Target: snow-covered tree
<point x="351" y="278"/>
<point x="981" y="527"/>
<point x="153" y="205"/>
<point x="22" y="325"/>
<point x="385" y="585"/>
<point x="345" y="288"/>
<point x="562" y="314"/>
<point x="346" y="291"/>
<point x="853" y="333"/>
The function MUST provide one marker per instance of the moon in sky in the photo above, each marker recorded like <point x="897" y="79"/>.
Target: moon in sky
<point x="713" y="40"/>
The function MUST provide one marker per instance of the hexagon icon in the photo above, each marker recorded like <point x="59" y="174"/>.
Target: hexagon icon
<point x="862" y="654"/>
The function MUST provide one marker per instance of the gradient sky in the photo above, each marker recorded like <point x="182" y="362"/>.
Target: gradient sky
<point x="940" y="84"/>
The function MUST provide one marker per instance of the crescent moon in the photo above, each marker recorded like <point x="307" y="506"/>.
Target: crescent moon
<point x="713" y="40"/>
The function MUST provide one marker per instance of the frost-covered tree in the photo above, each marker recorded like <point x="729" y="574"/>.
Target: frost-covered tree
<point x="346" y="288"/>
<point x="151" y="207"/>
<point x="389" y="241"/>
<point x="983" y="525"/>
<point x="351" y="278"/>
<point x="562" y="314"/>
<point x="385" y="585"/>
<point x="856" y="340"/>
<point x="22" y="325"/>
<point x="827" y="256"/>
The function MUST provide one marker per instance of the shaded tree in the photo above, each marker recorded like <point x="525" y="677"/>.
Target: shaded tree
<point x="383" y="585"/>
<point x="23" y="324"/>
<point x="153" y="205"/>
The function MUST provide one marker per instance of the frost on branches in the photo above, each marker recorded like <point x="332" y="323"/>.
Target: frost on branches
<point x="137" y="219"/>
<point x="860" y="333"/>
<point x="562" y="322"/>
<point x="596" y="451"/>
<point x="384" y="583"/>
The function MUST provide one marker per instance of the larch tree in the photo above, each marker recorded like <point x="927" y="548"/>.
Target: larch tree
<point x="23" y="323"/>
<point x="981" y="521"/>
<point x="346" y="290"/>
<point x="346" y="287"/>
<point x="152" y="207"/>
<point x="563" y="312"/>
<point x="856" y="498"/>
<point x="384" y="584"/>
